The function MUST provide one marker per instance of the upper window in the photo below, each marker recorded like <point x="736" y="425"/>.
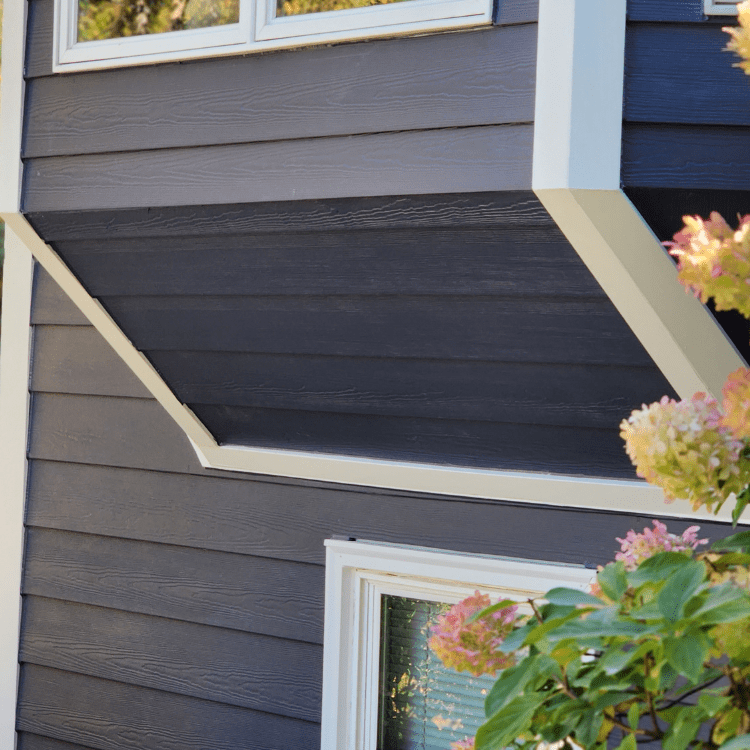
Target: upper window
<point x="107" y="33"/>
<point x="382" y="687"/>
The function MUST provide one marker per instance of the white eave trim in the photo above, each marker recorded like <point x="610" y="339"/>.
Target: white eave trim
<point x="573" y="192"/>
<point x="576" y="176"/>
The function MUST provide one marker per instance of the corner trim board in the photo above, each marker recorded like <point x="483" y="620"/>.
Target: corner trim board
<point x="576" y="176"/>
<point x="15" y="364"/>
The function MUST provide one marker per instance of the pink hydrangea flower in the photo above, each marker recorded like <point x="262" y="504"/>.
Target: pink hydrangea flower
<point x="467" y="744"/>
<point x="737" y="403"/>
<point x="473" y="646"/>
<point x="685" y="448"/>
<point x="635" y="548"/>
<point x="714" y="261"/>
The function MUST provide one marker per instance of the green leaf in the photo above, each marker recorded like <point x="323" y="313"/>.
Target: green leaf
<point x="682" y="731"/>
<point x="712" y="704"/>
<point x="588" y="727"/>
<point x="514" y="680"/>
<point x="613" y="581"/>
<point x="572" y="598"/>
<point x="515" y="640"/>
<point x="686" y="655"/>
<point x="742" y="742"/>
<point x="680" y="587"/>
<point x="492" y="609"/>
<point x="725" y="603"/>
<point x="742" y="500"/>
<point x="634" y="715"/>
<point x="501" y="730"/>
<point x="615" y="660"/>
<point x="543" y="630"/>
<point x="657" y="568"/>
<point x="740" y="542"/>
<point x="612" y="699"/>
<point x="628" y="743"/>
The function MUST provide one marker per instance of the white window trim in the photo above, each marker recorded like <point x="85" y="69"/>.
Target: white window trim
<point x="358" y="573"/>
<point x="258" y="29"/>
<point x="720" y="7"/>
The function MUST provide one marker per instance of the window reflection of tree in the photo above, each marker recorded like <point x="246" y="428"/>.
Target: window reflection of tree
<point x="423" y="705"/>
<point x="113" y="19"/>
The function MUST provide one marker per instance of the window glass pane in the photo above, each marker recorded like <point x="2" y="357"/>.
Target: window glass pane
<point x="113" y="19"/>
<point x="299" y="7"/>
<point x="423" y="705"/>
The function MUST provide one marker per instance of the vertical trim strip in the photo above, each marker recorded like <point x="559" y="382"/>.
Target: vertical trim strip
<point x="15" y="358"/>
<point x="576" y="176"/>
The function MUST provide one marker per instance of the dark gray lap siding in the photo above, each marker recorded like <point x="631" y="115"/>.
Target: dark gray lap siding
<point x="487" y="344"/>
<point x="166" y="606"/>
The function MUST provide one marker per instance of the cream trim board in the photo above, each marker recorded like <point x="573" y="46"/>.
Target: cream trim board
<point x="359" y="573"/>
<point x="576" y="172"/>
<point x="15" y="358"/>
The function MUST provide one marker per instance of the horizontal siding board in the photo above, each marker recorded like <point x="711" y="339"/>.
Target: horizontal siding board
<point x="110" y="432"/>
<point x="525" y="330"/>
<point x="666" y="10"/>
<point x="491" y="445"/>
<point x="512" y="261"/>
<point x="260" y="672"/>
<point x="77" y="359"/>
<point x="139" y="434"/>
<point x="516" y="11"/>
<point x="290" y="520"/>
<point x="253" y="594"/>
<point x="29" y="741"/>
<point x="475" y="159"/>
<point x="519" y="208"/>
<point x="113" y="716"/>
<point x="700" y="157"/>
<point x="370" y="87"/>
<point x="565" y="395"/>
<point x="39" y="38"/>
<point x="683" y="74"/>
<point x="51" y="305"/>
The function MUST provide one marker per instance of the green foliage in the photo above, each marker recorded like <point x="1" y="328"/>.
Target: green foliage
<point x="663" y="651"/>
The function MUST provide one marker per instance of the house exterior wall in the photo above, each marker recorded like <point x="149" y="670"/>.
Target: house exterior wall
<point x="169" y="605"/>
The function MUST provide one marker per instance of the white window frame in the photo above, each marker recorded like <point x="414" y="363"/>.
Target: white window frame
<point x="358" y="573"/>
<point x="720" y="7"/>
<point x="259" y="29"/>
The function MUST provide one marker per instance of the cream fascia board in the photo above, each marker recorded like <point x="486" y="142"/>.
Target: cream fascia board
<point x="15" y="358"/>
<point x="576" y="176"/>
<point x="359" y="573"/>
<point x="258" y="30"/>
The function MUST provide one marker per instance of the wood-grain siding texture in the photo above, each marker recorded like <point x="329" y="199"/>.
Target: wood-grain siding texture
<point x="473" y="342"/>
<point x="428" y="114"/>
<point x="167" y="606"/>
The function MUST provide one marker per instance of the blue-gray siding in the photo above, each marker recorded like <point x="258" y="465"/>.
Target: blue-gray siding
<point x="166" y="606"/>
<point x="484" y="345"/>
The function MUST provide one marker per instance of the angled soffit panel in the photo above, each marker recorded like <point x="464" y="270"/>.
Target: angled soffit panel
<point x="576" y="177"/>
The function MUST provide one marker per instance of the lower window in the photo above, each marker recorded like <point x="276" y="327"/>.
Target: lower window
<point x="383" y="688"/>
